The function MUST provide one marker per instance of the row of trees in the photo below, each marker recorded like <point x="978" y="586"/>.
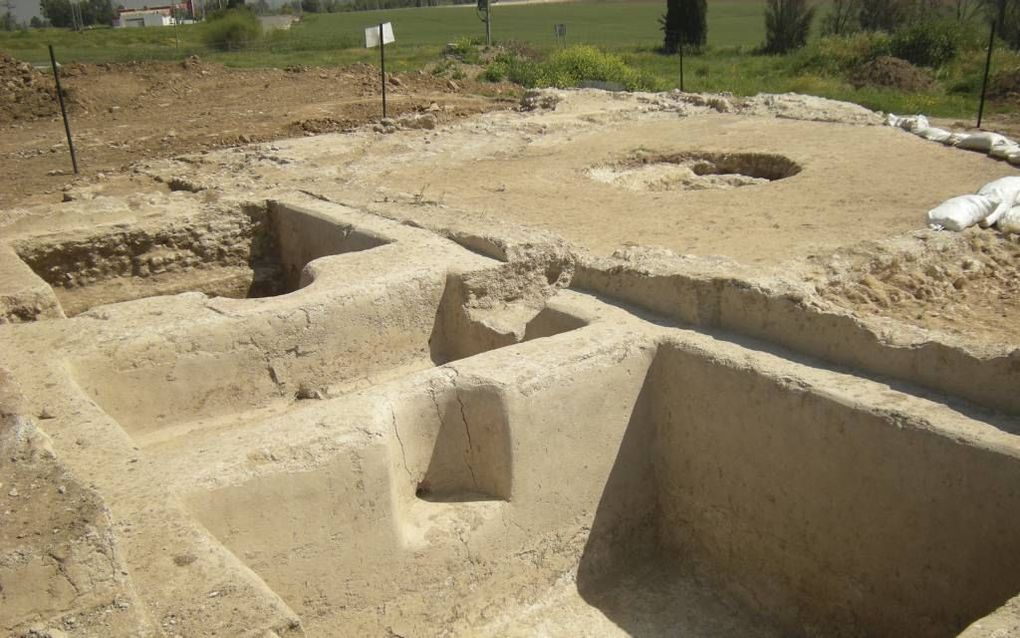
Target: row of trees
<point x="848" y="16"/>
<point x="62" y="13"/>
<point x="336" y="6"/>
<point x="788" y="22"/>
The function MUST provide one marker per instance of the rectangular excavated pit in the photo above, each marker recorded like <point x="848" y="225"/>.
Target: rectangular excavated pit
<point x="707" y="498"/>
<point x="227" y="374"/>
<point x="253" y="251"/>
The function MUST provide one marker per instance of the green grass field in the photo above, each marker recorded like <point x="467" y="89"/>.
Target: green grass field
<point x="627" y="28"/>
<point x="610" y="25"/>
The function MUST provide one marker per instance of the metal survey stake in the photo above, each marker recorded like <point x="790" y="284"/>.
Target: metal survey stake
<point x="382" y="65"/>
<point x="380" y="35"/>
<point x="63" y="110"/>
<point x="485" y="6"/>
<point x="681" y="64"/>
<point x="988" y="64"/>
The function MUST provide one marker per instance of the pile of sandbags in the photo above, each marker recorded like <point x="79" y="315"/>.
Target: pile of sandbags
<point x="996" y="204"/>
<point x="995" y="145"/>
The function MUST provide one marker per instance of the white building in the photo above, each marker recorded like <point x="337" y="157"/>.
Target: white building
<point x="153" y="16"/>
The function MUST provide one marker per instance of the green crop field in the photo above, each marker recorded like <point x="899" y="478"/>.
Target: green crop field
<point x="628" y="29"/>
<point x="611" y="25"/>
<point x="605" y="24"/>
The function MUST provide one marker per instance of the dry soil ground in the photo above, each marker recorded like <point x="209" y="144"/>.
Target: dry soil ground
<point x="586" y="171"/>
<point x="348" y="423"/>
<point x="126" y="112"/>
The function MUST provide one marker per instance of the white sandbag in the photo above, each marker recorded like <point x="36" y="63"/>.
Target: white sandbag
<point x="954" y="139"/>
<point x="1003" y="148"/>
<point x="1014" y="158"/>
<point x="960" y="212"/>
<point x="893" y="120"/>
<point x="932" y="133"/>
<point x="1005" y="191"/>
<point x="1010" y="222"/>
<point x="981" y="142"/>
<point x="907" y="123"/>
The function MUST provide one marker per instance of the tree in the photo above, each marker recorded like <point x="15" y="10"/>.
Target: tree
<point x="966" y="10"/>
<point x="787" y="25"/>
<point x="8" y="22"/>
<point x="883" y="15"/>
<point x="311" y="6"/>
<point x="843" y="18"/>
<point x="1007" y="19"/>
<point x="685" y="22"/>
<point x="36" y="22"/>
<point x="58" y="12"/>
<point x="97" y="12"/>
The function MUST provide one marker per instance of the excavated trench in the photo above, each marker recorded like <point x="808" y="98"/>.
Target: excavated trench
<point x="350" y="345"/>
<point x="708" y="499"/>
<point x="251" y="252"/>
<point x="412" y="448"/>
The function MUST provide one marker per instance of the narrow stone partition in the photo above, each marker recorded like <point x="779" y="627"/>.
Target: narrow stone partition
<point x="319" y="348"/>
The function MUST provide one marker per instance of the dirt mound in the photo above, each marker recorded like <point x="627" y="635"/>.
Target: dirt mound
<point x="25" y="93"/>
<point x="892" y="72"/>
<point x="964" y="285"/>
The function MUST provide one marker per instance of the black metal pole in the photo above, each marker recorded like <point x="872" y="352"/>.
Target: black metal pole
<point x="63" y="110"/>
<point x="681" y="61"/>
<point x="382" y="62"/>
<point x="988" y="64"/>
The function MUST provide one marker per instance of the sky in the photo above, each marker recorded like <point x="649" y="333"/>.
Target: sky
<point x="23" y="9"/>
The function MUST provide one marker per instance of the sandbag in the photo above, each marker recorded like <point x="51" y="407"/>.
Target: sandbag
<point x="960" y="212"/>
<point x="1006" y="192"/>
<point x="919" y="122"/>
<point x="981" y="142"/>
<point x="1003" y="148"/>
<point x="1010" y="222"/>
<point x="932" y="133"/>
<point x="907" y="123"/>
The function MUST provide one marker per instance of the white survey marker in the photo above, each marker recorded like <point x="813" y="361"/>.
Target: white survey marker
<point x="372" y="35"/>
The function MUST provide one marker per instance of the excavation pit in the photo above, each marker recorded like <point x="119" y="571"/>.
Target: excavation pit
<point x="693" y="171"/>
<point x="788" y="512"/>
<point x="506" y="434"/>
<point x="250" y="252"/>
<point x="296" y="358"/>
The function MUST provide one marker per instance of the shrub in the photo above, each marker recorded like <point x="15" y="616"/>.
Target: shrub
<point x="930" y="44"/>
<point x="836" y="55"/>
<point x="568" y="67"/>
<point x="232" y="29"/>
<point x="513" y="68"/>
<point x="787" y="25"/>
<point x="577" y="64"/>
<point x="466" y="49"/>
